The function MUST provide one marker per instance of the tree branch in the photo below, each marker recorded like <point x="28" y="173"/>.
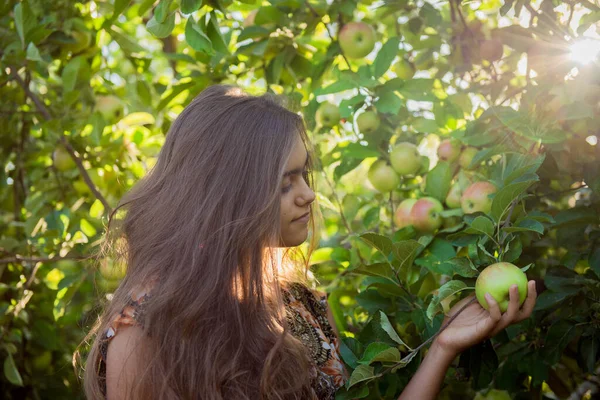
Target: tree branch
<point x="46" y="114"/>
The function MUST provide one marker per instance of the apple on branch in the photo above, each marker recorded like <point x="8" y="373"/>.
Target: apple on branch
<point x="62" y="160"/>
<point x="404" y="69"/>
<point x="454" y="196"/>
<point x="368" y="122"/>
<point x="383" y="177"/>
<point x="328" y="115"/>
<point x="476" y="197"/>
<point x="402" y="214"/>
<point x="425" y="214"/>
<point x="466" y="157"/>
<point x="357" y="39"/>
<point x="449" y="150"/>
<point x="405" y="159"/>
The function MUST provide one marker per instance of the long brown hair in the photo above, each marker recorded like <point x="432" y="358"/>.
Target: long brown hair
<point x="204" y="224"/>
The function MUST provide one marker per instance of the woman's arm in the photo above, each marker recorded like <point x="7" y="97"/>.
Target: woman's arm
<point x="462" y="330"/>
<point x="425" y="384"/>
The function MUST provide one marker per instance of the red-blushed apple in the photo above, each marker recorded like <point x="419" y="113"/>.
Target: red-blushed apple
<point x="404" y="69"/>
<point x="449" y="150"/>
<point x="367" y="122"/>
<point x="496" y="280"/>
<point x="405" y="158"/>
<point x="402" y="214"/>
<point x="425" y="214"/>
<point x="454" y="195"/>
<point x="328" y="115"/>
<point x="466" y="157"/>
<point x="383" y="177"/>
<point x="476" y="197"/>
<point x="491" y="50"/>
<point x="357" y="39"/>
<point x="62" y="160"/>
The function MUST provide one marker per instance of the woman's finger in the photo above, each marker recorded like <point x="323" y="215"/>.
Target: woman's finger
<point x="494" y="310"/>
<point x="529" y="303"/>
<point x="513" y="306"/>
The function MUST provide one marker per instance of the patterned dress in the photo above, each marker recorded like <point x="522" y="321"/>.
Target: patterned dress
<point x="307" y="317"/>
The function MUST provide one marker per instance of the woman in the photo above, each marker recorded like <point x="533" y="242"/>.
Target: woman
<point x="211" y="307"/>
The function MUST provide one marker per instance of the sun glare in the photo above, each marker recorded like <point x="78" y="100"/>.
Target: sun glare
<point x="585" y="51"/>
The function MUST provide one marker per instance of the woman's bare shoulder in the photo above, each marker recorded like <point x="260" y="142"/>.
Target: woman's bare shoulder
<point x="125" y="361"/>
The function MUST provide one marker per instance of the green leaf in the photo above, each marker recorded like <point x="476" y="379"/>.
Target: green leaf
<point x="214" y="34"/>
<point x="356" y="150"/>
<point x="253" y="31"/>
<point x="439" y="180"/>
<point x="189" y="6"/>
<point x="448" y="289"/>
<point x="386" y="55"/>
<point x="73" y="72"/>
<point x="526" y="225"/>
<point x="588" y="352"/>
<point x="389" y="102"/>
<point x="481" y="225"/>
<point x="372" y="350"/>
<point x="11" y="372"/>
<point x="161" y="29"/>
<point x="349" y="354"/>
<point x="126" y="43"/>
<point x="405" y="253"/>
<point x="506" y="195"/>
<point x="120" y="6"/>
<point x="558" y="336"/>
<point x="391" y="355"/>
<point x="33" y="53"/>
<point x="161" y="11"/>
<point x="380" y="242"/>
<point x="336" y="87"/>
<point x="594" y="260"/>
<point x="461" y="266"/>
<point x="360" y="374"/>
<point x="387" y="326"/>
<point x="483" y="363"/>
<point x="24" y="20"/>
<point x="196" y="38"/>
<point x="379" y="269"/>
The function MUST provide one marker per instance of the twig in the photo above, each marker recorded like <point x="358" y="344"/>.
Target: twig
<point x="20" y="259"/>
<point x="316" y="14"/>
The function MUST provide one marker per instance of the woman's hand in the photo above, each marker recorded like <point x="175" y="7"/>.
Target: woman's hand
<point x="475" y="324"/>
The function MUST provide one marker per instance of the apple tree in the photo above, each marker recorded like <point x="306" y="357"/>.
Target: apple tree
<point x="449" y="136"/>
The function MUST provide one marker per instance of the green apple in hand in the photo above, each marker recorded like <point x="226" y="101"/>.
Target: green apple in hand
<point x="497" y="280"/>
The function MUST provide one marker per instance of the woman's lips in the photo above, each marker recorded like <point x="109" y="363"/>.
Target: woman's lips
<point x="303" y="219"/>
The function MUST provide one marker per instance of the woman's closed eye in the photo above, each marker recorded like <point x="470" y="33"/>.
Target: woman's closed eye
<point x="288" y="186"/>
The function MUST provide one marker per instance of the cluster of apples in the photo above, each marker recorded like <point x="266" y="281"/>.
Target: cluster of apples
<point x="425" y="213"/>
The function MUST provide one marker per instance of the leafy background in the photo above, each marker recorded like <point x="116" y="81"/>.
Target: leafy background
<point x="89" y="89"/>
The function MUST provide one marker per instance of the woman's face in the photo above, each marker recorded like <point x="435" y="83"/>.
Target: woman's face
<point x="296" y="197"/>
